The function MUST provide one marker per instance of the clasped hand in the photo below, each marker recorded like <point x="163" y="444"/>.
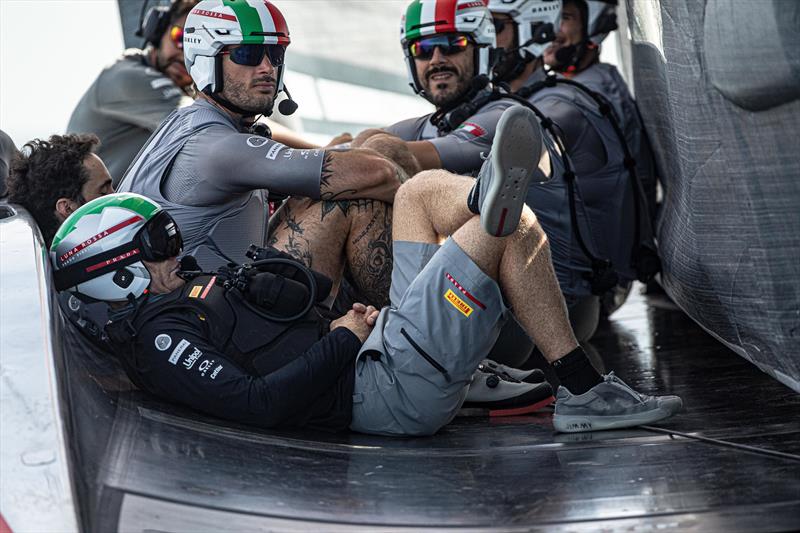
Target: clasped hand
<point x="360" y="320"/>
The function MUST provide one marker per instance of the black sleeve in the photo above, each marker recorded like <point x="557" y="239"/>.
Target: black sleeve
<point x="175" y="360"/>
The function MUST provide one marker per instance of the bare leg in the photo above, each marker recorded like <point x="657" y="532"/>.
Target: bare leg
<point x="434" y="204"/>
<point x="431" y="206"/>
<point x="330" y="236"/>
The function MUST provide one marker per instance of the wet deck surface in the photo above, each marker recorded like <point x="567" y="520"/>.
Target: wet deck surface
<point x="166" y="469"/>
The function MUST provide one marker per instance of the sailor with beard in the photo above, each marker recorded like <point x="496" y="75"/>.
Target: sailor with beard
<point x="206" y="168"/>
<point x="130" y="98"/>
<point x="447" y="47"/>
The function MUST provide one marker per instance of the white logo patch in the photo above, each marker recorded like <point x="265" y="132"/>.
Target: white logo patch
<point x="175" y="356"/>
<point x="256" y="141"/>
<point x="192" y="358"/>
<point x="74" y="304"/>
<point x="163" y="342"/>
<point x="273" y="152"/>
<point x="204" y="366"/>
<point x="216" y="371"/>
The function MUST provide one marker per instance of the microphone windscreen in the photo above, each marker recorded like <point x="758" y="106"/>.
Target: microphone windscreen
<point x="287" y="107"/>
<point x="479" y="82"/>
<point x="189" y="263"/>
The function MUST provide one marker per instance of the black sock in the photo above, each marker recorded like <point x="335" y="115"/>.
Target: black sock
<point x="576" y="372"/>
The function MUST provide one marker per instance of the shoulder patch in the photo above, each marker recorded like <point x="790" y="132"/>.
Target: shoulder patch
<point x="472" y="128"/>
<point x="176" y="354"/>
<point x="163" y="342"/>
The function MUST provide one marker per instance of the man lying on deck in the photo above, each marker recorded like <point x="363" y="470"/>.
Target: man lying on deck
<point x="246" y="344"/>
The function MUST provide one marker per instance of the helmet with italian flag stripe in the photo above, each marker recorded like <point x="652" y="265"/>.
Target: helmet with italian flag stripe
<point x="472" y="18"/>
<point x="97" y="252"/>
<point x="214" y="24"/>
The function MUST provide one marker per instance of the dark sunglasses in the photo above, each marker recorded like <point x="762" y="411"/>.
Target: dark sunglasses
<point x="252" y="55"/>
<point x="448" y="44"/>
<point x="176" y="34"/>
<point x="160" y="238"/>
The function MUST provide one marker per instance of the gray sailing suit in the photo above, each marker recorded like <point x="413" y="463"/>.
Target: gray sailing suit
<point x="607" y="80"/>
<point x="214" y="180"/>
<point x="459" y="150"/>
<point x="123" y="107"/>
<point x="602" y="179"/>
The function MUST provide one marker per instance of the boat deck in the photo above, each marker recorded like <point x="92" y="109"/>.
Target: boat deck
<point x="729" y="462"/>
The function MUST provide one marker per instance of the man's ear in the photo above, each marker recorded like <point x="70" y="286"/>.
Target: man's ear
<point x="64" y="208"/>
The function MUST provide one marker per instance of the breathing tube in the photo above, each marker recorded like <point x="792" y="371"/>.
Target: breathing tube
<point x="265" y="285"/>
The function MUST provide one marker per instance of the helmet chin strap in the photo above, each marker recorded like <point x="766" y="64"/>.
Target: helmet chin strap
<point x="568" y="57"/>
<point x="449" y="118"/>
<point x="504" y="73"/>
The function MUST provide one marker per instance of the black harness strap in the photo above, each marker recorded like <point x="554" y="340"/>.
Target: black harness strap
<point x="643" y="258"/>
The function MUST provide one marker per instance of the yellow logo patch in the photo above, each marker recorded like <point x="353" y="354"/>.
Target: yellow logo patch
<point x="195" y="291"/>
<point x="458" y="303"/>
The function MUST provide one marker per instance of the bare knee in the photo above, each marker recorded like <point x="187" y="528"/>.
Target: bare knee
<point x="530" y="231"/>
<point x="424" y="185"/>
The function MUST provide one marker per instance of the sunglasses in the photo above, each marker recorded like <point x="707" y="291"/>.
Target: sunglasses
<point x="176" y="34"/>
<point x="447" y="44"/>
<point x="251" y="55"/>
<point x="160" y="238"/>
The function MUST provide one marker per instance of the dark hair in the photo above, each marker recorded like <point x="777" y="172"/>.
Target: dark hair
<point x="583" y="10"/>
<point x="44" y="171"/>
<point x="179" y="8"/>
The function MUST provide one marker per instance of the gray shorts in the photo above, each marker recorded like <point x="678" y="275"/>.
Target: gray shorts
<point x="413" y="371"/>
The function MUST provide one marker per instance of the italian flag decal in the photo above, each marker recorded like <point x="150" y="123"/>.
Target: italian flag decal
<point x="473" y="128"/>
<point x="262" y="24"/>
<point x="434" y="16"/>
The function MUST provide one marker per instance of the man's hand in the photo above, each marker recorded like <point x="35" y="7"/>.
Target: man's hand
<point x="362" y="137"/>
<point x="342" y="138"/>
<point x="360" y="320"/>
<point x="395" y="150"/>
<point x="370" y="313"/>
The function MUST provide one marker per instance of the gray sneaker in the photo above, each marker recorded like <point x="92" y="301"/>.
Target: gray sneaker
<point x="611" y="404"/>
<point x="502" y="184"/>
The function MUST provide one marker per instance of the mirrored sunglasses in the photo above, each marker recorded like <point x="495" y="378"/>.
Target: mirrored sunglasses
<point x="447" y="44"/>
<point x="176" y="34"/>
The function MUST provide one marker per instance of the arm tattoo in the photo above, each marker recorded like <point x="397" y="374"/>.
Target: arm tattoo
<point x="297" y="244"/>
<point x="327" y="172"/>
<point x="362" y="205"/>
<point x="371" y="258"/>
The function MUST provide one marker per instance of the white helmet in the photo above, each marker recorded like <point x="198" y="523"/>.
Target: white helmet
<point x="600" y="19"/>
<point x="214" y="24"/>
<point x="97" y="252"/>
<point x="425" y="18"/>
<point x="537" y="23"/>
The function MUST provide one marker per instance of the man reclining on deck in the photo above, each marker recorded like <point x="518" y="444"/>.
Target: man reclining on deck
<point x="246" y="344"/>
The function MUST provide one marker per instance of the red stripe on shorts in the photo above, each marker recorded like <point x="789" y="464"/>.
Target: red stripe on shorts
<point x="464" y="291"/>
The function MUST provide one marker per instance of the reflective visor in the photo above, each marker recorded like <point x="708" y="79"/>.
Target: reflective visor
<point x="160" y="238"/>
<point x="448" y="44"/>
<point x="252" y="55"/>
